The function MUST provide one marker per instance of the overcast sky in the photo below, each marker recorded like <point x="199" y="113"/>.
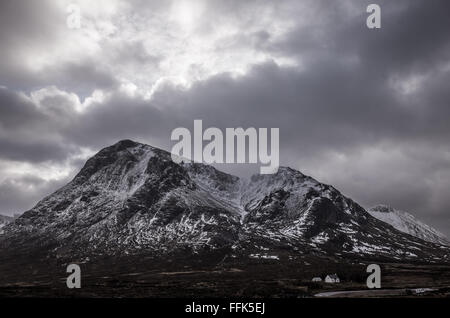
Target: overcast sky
<point x="367" y="111"/>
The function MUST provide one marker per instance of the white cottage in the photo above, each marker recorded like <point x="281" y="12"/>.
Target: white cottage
<point x="332" y="279"/>
<point x="317" y="279"/>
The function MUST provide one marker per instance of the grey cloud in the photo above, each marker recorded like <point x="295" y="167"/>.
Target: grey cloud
<point x="81" y="77"/>
<point x="16" y="110"/>
<point x="31" y="189"/>
<point x="413" y="37"/>
<point x="134" y="52"/>
<point x="29" y="28"/>
<point x="34" y="25"/>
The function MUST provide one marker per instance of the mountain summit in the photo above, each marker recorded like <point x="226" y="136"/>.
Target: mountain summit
<point x="131" y="198"/>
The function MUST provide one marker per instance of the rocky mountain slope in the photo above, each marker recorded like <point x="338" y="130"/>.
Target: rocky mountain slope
<point x="4" y="220"/>
<point x="131" y="198"/>
<point x="407" y="223"/>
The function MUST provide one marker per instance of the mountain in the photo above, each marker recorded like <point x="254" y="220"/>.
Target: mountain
<point x="132" y="199"/>
<point x="4" y="220"/>
<point x="407" y="223"/>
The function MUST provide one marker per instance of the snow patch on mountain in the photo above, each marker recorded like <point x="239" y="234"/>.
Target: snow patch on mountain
<point x="4" y="220"/>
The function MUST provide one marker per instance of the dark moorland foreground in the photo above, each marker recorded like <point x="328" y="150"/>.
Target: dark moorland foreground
<point x="212" y="276"/>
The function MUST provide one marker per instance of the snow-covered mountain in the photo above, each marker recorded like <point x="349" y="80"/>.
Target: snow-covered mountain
<point x="131" y="198"/>
<point x="407" y="223"/>
<point x="4" y="220"/>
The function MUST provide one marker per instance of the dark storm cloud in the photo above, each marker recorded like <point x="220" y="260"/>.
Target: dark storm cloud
<point x="81" y="77"/>
<point x="413" y="33"/>
<point x="31" y="189"/>
<point x="365" y="110"/>
<point x="17" y="110"/>
<point x="24" y="22"/>
<point x="119" y="117"/>
<point x="414" y="38"/>
<point x="31" y="28"/>
<point x="29" y="134"/>
<point x="331" y="106"/>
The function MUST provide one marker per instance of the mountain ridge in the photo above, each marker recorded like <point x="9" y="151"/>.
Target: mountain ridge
<point x="131" y="198"/>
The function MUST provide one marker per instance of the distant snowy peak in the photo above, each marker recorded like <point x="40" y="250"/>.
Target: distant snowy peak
<point x="407" y="223"/>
